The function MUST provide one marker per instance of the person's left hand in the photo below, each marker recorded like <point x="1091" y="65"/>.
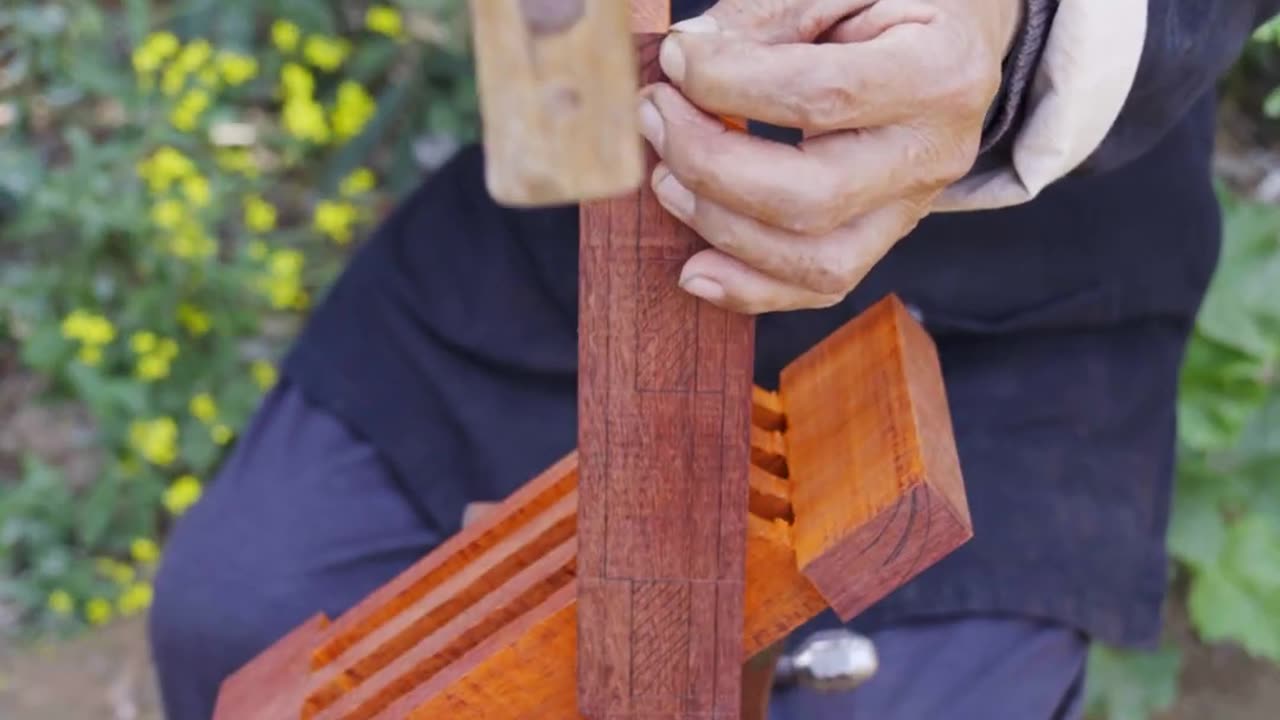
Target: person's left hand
<point x="892" y="96"/>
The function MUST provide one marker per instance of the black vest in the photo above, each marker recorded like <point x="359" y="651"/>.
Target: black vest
<point x="450" y="344"/>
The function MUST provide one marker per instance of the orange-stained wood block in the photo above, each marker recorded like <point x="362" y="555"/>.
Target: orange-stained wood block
<point x="471" y="633"/>
<point x="882" y="490"/>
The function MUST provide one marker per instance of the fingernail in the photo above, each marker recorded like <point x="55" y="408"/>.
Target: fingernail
<point x="675" y="197"/>
<point x="651" y="125"/>
<point x="703" y="287"/>
<point x="671" y="58"/>
<point x="700" y="24"/>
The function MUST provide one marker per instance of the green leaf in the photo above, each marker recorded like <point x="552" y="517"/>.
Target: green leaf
<point x="1239" y="310"/>
<point x="1197" y="530"/>
<point x="1224" y="607"/>
<point x="1253" y="553"/>
<point x="95" y="510"/>
<point x="46" y="348"/>
<point x="1131" y="686"/>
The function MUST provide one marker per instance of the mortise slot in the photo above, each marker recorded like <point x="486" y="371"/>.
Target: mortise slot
<point x="455" y="555"/>
<point x="766" y="410"/>
<point x="505" y="605"/>
<point x="770" y="495"/>
<point x="448" y="601"/>
<point x="769" y="451"/>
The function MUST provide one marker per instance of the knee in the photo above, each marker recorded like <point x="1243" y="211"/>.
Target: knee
<point x="211" y="612"/>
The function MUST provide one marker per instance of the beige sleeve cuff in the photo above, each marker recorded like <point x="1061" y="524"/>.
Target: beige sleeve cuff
<point x="1086" y="72"/>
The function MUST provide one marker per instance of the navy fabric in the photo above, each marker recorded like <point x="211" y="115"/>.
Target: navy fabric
<point x="964" y="668"/>
<point x="1189" y="45"/>
<point x="302" y="518"/>
<point x="305" y="517"/>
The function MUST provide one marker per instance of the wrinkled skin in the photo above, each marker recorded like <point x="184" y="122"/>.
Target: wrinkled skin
<point x="891" y="95"/>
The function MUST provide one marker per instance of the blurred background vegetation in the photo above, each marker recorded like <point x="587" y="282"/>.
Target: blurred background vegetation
<point x="179" y="179"/>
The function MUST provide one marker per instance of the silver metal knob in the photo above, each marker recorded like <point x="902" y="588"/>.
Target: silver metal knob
<point x="829" y="661"/>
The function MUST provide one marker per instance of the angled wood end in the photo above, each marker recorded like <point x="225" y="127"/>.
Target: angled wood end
<point x="883" y="497"/>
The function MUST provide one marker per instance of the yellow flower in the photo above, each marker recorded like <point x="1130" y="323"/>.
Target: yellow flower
<point x="182" y="494"/>
<point x="296" y="82"/>
<point x="264" y="374"/>
<point x="60" y="602"/>
<point x="285" y="35"/>
<point x="384" y="19"/>
<point x="136" y="598"/>
<point x="221" y="434"/>
<point x="354" y="108"/>
<point x="283" y="283"/>
<point x="187" y="111"/>
<point x="120" y="573"/>
<point x="326" y="53"/>
<point x="190" y="242"/>
<point x="144" y="550"/>
<point x="259" y="215"/>
<point x="360" y="181"/>
<point x="194" y="55"/>
<point x="151" y="368"/>
<point x="304" y="119"/>
<point x="155" y="440"/>
<point x="204" y="407"/>
<point x="168" y="214"/>
<point x="196" y="188"/>
<point x="89" y="328"/>
<point x="173" y="80"/>
<point x="237" y="160"/>
<point x="195" y="320"/>
<point x="165" y="166"/>
<point x="90" y="355"/>
<point x="155" y="357"/>
<point x="143" y="342"/>
<point x="286" y="263"/>
<point x="98" y="611"/>
<point x="154" y="50"/>
<point x="335" y="219"/>
<point x="237" y="69"/>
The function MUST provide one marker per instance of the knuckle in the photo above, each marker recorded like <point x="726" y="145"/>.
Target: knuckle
<point x="821" y="206"/>
<point x="827" y="101"/>
<point x="969" y="85"/>
<point x="942" y="158"/>
<point x="834" y="274"/>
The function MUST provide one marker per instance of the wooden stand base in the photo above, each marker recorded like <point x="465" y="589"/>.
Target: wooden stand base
<point x="854" y="489"/>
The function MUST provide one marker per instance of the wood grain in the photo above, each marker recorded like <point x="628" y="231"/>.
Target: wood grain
<point x="471" y="633"/>
<point x="664" y="418"/>
<point x="556" y="81"/>
<point x="885" y="469"/>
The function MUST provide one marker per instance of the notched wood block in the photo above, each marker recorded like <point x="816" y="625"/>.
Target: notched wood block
<point x="485" y="627"/>
<point x="882" y="497"/>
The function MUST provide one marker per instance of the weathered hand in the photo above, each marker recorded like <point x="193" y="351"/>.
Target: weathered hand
<point x="892" y="96"/>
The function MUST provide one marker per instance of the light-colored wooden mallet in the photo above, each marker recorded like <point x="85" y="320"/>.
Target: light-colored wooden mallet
<point x="557" y="86"/>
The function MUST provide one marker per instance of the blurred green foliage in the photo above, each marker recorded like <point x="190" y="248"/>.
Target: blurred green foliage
<point x="179" y="178"/>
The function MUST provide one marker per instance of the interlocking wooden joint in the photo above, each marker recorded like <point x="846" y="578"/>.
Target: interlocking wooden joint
<point x="485" y="627"/>
<point x="699" y="521"/>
